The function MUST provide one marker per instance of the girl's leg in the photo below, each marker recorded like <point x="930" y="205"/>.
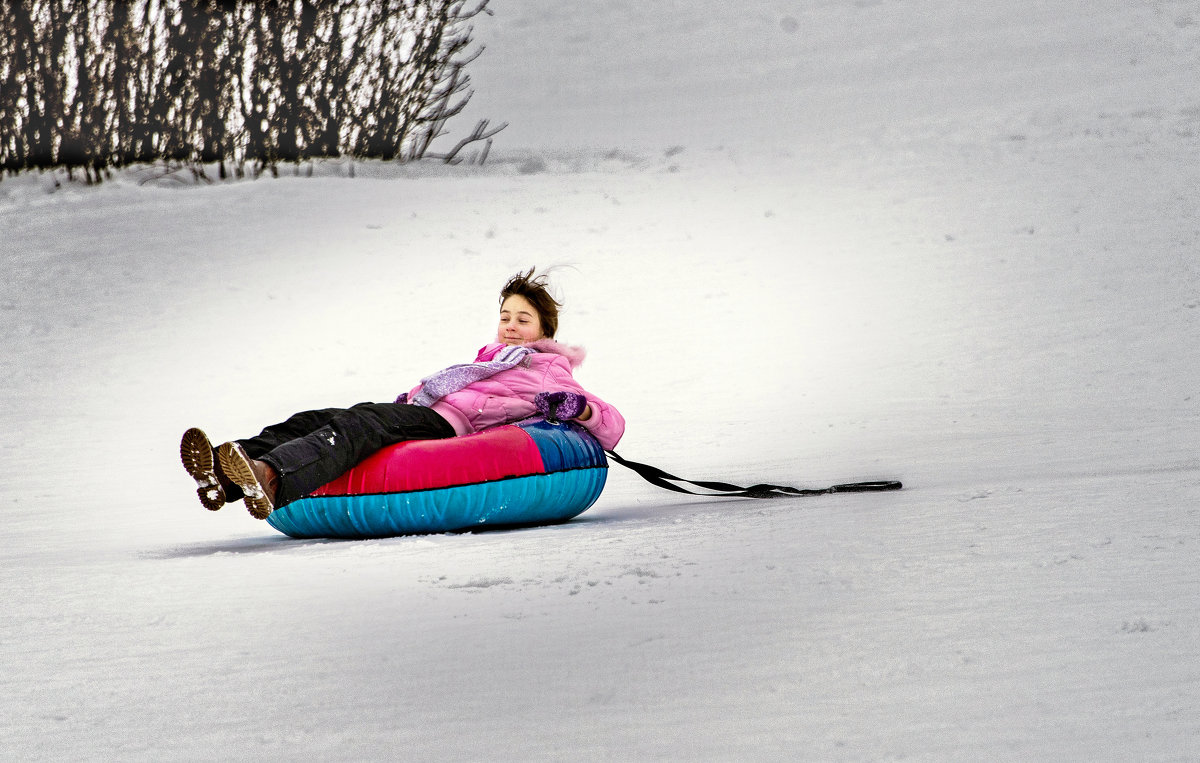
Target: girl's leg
<point x="298" y="425"/>
<point x="202" y="463"/>
<point x="344" y="439"/>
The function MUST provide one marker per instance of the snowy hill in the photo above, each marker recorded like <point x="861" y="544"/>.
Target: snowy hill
<point x="848" y="240"/>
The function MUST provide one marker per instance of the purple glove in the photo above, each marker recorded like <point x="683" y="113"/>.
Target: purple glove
<point x="402" y="399"/>
<point x="560" y="406"/>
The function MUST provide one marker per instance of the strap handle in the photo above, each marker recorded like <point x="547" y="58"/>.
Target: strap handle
<point x="656" y="476"/>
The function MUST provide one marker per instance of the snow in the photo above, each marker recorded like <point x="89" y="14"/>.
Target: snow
<point x="840" y="241"/>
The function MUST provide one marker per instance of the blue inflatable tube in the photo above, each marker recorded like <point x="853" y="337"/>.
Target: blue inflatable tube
<point x="534" y="472"/>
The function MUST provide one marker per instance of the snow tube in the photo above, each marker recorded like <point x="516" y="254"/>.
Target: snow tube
<point x="533" y="472"/>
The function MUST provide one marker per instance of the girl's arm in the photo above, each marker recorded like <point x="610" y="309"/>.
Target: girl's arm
<point x="604" y="422"/>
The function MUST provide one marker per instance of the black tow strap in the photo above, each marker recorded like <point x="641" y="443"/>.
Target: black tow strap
<point x="656" y="476"/>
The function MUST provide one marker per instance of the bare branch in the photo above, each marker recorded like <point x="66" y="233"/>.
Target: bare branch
<point x="479" y="133"/>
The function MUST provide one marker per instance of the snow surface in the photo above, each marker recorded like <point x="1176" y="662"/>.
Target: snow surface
<point x="807" y="243"/>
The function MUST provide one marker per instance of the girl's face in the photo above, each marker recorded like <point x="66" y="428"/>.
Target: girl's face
<point x="519" y="321"/>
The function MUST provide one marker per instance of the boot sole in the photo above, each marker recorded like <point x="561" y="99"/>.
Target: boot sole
<point x="195" y="451"/>
<point x="236" y="466"/>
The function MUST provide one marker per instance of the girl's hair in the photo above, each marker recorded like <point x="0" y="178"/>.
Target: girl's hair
<point x="536" y="290"/>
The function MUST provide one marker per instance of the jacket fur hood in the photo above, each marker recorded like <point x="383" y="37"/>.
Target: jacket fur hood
<point x="573" y="353"/>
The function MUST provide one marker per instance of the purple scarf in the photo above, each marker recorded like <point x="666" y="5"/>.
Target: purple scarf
<point x="436" y="386"/>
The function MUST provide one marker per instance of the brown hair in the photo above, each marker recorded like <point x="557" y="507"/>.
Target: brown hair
<point x="536" y="290"/>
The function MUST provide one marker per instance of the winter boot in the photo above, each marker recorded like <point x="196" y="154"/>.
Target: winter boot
<point x="196" y="452"/>
<point x="257" y="480"/>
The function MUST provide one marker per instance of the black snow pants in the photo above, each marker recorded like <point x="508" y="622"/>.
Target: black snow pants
<point x="314" y="447"/>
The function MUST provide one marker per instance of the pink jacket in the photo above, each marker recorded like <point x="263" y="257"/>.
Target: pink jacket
<point x="508" y="396"/>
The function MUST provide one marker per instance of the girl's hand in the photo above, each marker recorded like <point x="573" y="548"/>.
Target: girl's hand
<point x="562" y="406"/>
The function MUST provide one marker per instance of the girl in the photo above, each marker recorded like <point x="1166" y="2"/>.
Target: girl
<point x="523" y="373"/>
